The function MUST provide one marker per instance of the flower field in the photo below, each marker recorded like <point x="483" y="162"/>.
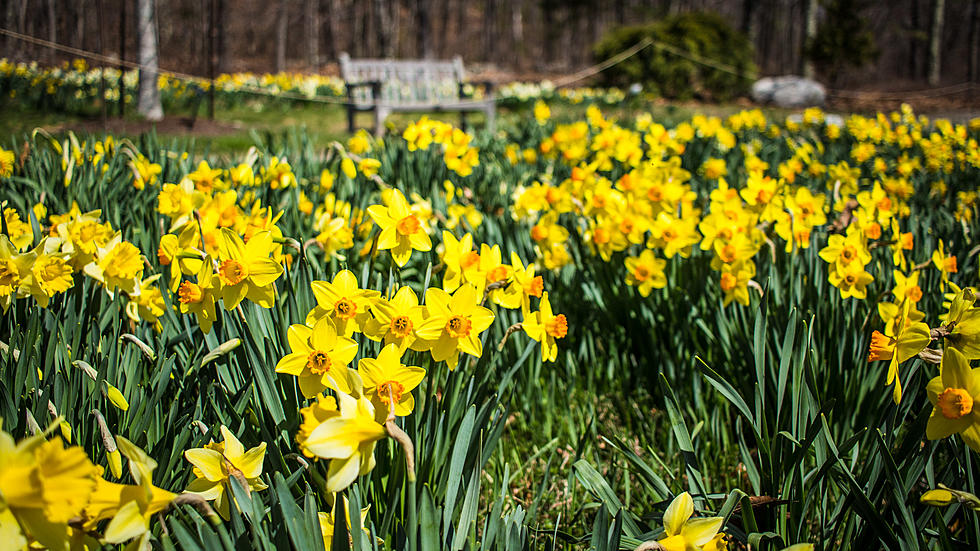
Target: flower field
<point x="575" y="334"/>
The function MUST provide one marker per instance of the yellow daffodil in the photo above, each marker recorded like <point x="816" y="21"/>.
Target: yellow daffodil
<point x="683" y="533"/>
<point x="118" y="265"/>
<point x="327" y="521"/>
<point x="734" y="281"/>
<point x="546" y="327"/>
<point x="909" y="339"/>
<point x="953" y="395"/>
<point x="843" y="252"/>
<point x="454" y="323"/>
<point x="395" y="320"/>
<point x="130" y="507"/>
<point x="646" y="272"/>
<point x="200" y="297"/>
<point x="852" y="281"/>
<point x="321" y="409"/>
<point x="522" y="286"/>
<point x="43" y="485"/>
<point x="217" y="462"/>
<point x="181" y="253"/>
<point x="344" y="302"/>
<point x="319" y="357"/>
<point x="401" y="231"/>
<point x="347" y="440"/>
<point x="246" y="271"/>
<point x="387" y="381"/>
<point x="946" y="264"/>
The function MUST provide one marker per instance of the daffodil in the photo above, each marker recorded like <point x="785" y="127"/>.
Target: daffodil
<point x="328" y="520"/>
<point x="343" y="302"/>
<point x="946" y="264"/>
<point x="200" y="297"/>
<point x="395" y="320"/>
<point x="118" y="265"/>
<point x="130" y="507"/>
<point x="181" y="253"/>
<point x="246" y="270"/>
<point x="909" y="339"/>
<point x="319" y="410"/>
<point x="646" y="272"/>
<point x="319" y="357"/>
<point x="735" y="280"/>
<point x="845" y="252"/>
<point x="953" y="395"/>
<point x="347" y="440"/>
<point x="683" y="533"/>
<point x="546" y="327"/>
<point x="852" y="281"/>
<point x="522" y="286"/>
<point x="453" y="323"/>
<point x="217" y="462"/>
<point x="43" y="485"/>
<point x="388" y="381"/>
<point x="401" y="231"/>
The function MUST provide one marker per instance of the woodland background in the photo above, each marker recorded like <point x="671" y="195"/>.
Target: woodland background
<point x="894" y="45"/>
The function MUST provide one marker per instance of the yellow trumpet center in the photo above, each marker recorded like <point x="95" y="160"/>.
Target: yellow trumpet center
<point x="401" y="326"/>
<point x="345" y="308"/>
<point x="728" y="281"/>
<point x="954" y="403"/>
<point x="189" y="292"/>
<point x="408" y="225"/>
<point x="318" y="362"/>
<point x="557" y="326"/>
<point x="390" y="391"/>
<point x="8" y="273"/>
<point x="458" y="327"/>
<point x="232" y="272"/>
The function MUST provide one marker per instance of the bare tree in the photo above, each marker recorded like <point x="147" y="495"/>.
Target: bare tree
<point x="810" y="31"/>
<point x="282" y="26"/>
<point x="148" y="103"/>
<point x="935" y="40"/>
<point x="974" y="41"/>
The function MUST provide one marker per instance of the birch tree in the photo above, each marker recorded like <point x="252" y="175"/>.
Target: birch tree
<point x="148" y="104"/>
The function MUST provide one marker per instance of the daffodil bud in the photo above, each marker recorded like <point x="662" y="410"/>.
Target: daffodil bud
<point x="116" y="397"/>
<point x="937" y="498"/>
<point x="347" y="167"/>
<point x="115" y="463"/>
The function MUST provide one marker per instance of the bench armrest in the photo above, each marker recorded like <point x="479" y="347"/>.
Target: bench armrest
<point x="374" y="85"/>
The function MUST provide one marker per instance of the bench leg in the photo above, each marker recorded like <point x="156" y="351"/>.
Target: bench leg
<point x="491" y="112"/>
<point x="350" y="119"/>
<point x="379" y="121"/>
<point x="462" y="120"/>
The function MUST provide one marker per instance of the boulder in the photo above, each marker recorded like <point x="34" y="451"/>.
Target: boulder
<point x="789" y="91"/>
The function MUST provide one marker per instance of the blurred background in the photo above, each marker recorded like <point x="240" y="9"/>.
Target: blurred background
<point x="850" y="43"/>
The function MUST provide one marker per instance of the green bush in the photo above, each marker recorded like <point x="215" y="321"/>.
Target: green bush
<point x="658" y="67"/>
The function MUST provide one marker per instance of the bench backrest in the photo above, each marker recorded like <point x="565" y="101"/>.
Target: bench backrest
<point x="404" y="82"/>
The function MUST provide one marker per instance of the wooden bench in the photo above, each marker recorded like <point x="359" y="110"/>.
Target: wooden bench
<point x="386" y="86"/>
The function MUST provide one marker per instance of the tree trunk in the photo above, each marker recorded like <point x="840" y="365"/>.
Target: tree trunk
<point x="313" y="29"/>
<point x="810" y="32"/>
<point x="517" y="32"/>
<point x="383" y="16"/>
<point x="423" y="42"/>
<point x="282" y="26"/>
<point x="148" y="103"/>
<point x="974" y="40"/>
<point x="935" y="40"/>
<point x="52" y="26"/>
<point x="331" y="39"/>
